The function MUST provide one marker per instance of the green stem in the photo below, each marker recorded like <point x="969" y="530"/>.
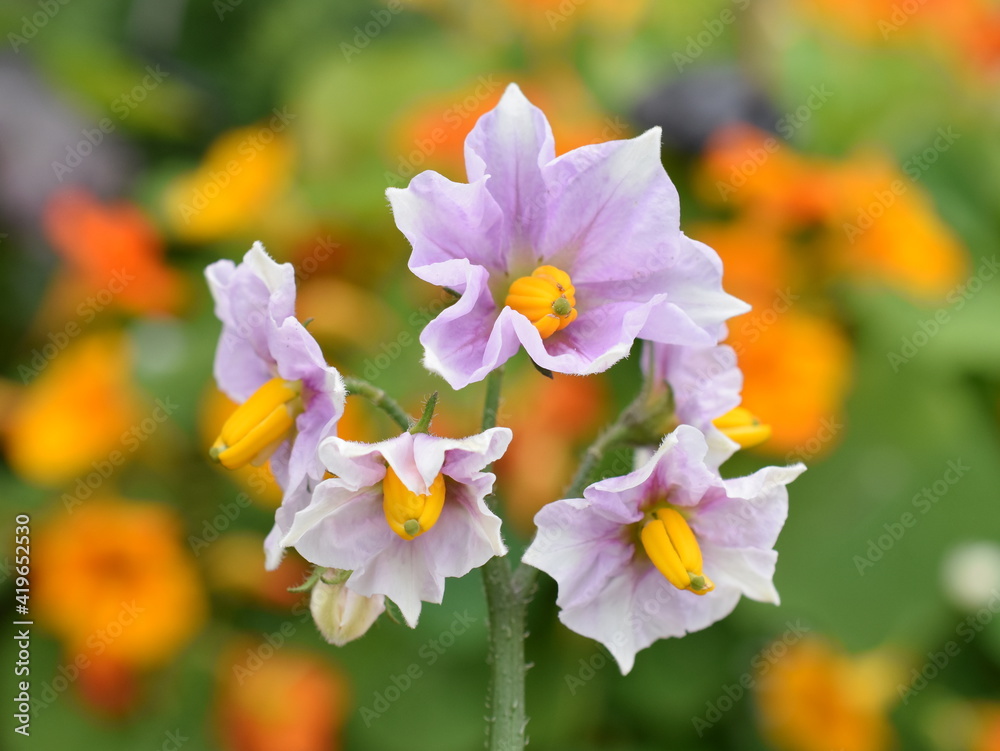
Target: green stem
<point x="505" y="607"/>
<point x="506" y="603"/>
<point x="615" y="433"/>
<point x="494" y="381"/>
<point x="380" y="399"/>
<point x="619" y="431"/>
<point x="423" y="425"/>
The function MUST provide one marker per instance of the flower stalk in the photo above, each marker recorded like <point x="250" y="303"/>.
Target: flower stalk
<point x="360" y="387"/>
<point x="506" y="719"/>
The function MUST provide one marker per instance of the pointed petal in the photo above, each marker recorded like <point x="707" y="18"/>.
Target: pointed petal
<point x="510" y="143"/>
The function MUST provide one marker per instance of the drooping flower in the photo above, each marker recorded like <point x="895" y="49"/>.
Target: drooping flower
<point x="665" y="550"/>
<point x="403" y="514"/>
<point x="267" y="361"/>
<point x="340" y="613"/>
<point x="705" y="384"/>
<point x="572" y="258"/>
<point x="795" y="358"/>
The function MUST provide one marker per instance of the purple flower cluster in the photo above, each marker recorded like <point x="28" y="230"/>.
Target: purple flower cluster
<point x="572" y="258"/>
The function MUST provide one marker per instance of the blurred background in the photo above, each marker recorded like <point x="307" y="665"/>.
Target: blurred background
<point x="842" y="157"/>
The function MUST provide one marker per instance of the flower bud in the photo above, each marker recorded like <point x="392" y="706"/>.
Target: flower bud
<point x="341" y="614"/>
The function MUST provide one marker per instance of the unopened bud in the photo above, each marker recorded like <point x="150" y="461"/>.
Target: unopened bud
<point x="341" y="614"/>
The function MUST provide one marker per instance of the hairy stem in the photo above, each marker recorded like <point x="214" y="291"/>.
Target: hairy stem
<point x="380" y="399"/>
<point x="615" y="433"/>
<point x="505" y="713"/>
<point x="505" y="606"/>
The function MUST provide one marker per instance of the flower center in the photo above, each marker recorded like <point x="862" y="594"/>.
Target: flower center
<point x="258" y="425"/>
<point x="410" y="515"/>
<point x="673" y="549"/>
<point x="741" y="425"/>
<point x="547" y="298"/>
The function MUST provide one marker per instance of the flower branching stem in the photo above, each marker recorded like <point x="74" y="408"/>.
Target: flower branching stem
<point x="380" y="399"/>
<point x="510" y="589"/>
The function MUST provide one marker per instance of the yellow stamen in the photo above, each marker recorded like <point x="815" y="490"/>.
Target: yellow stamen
<point x="547" y="298"/>
<point x="410" y="515"/>
<point x="673" y="549"/>
<point x="259" y="424"/>
<point x="741" y="425"/>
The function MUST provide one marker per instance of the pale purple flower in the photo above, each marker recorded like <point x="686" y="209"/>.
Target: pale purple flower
<point x="610" y="590"/>
<point x="262" y="340"/>
<point x="293" y="500"/>
<point x="345" y="524"/>
<point x="705" y="383"/>
<point x="606" y="215"/>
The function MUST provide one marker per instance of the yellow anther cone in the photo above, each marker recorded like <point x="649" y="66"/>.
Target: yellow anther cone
<point x="741" y="425"/>
<point x="410" y="515"/>
<point x="259" y="423"/>
<point x="672" y="547"/>
<point x="547" y="298"/>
